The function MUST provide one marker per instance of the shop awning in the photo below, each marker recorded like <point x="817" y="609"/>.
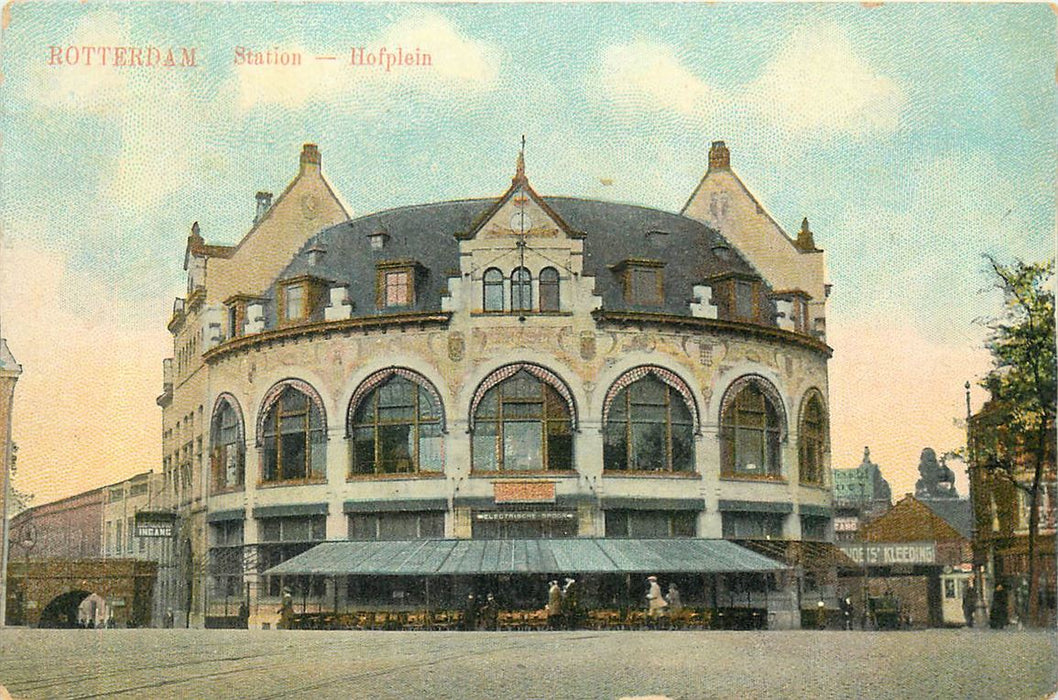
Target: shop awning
<point x="538" y="556"/>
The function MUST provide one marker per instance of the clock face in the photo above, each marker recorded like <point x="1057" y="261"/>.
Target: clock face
<point x="520" y="221"/>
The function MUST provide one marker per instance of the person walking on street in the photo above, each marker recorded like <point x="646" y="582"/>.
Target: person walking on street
<point x="554" y="605"/>
<point x="969" y="602"/>
<point x="656" y="603"/>
<point x="570" y="605"/>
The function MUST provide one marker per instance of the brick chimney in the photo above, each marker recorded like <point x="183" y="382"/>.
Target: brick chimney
<point x="310" y="157"/>
<point x="719" y="156"/>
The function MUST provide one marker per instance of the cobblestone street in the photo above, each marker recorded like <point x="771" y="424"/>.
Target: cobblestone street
<point x="269" y="664"/>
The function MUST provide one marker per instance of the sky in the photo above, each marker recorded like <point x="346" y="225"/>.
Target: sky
<point x="915" y="138"/>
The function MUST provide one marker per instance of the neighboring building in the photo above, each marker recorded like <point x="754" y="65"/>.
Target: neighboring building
<point x="603" y="379"/>
<point x="1001" y="514"/>
<point x="920" y="552"/>
<point x="860" y="494"/>
<point x="129" y="532"/>
<point x="81" y="558"/>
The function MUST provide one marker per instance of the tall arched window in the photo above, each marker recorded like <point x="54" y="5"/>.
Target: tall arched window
<point x="227" y="453"/>
<point x="492" y="294"/>
<point x="751" y="429"/>
<point x="521" y="290"/>
<point x="812" y="440"/>
<point x="293" y="435"/>
<point x="549" y="299"/>
<point x="522" y="424"/>
<point x="649" y="427"/>
<point x="396" y="428"/>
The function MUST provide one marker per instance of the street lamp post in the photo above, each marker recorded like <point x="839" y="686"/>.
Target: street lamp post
<point x="980" y="609"/>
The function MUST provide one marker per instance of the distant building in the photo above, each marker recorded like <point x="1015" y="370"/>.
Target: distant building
<point x="920" y="552"/>
<point x="860" y="494"/>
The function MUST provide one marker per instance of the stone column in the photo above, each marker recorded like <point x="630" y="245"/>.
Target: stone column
<point x="9" y="373"/>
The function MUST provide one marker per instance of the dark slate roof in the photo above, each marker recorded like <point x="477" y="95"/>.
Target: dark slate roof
<point x="954" y="511"/>
<point x="427" y="234"/>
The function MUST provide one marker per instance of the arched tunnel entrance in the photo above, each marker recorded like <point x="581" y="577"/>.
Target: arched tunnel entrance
<point x="62" y="610"/>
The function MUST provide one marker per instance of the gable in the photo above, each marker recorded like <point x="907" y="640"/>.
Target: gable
<point x="910" y="521"/>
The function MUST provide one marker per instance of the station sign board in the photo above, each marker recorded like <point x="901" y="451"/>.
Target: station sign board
<point x="155" y="524"/>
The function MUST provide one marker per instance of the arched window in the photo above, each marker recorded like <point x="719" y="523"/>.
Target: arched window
<point x="293" y="435"/>
<point x="752" y="427"/>
<point x="549" y="300"/>
<point x="492" y="296"/>
<point x="649" y="427"/>
<point x="812" y="436"/>
<point x="521" y="290"/>
<point x="227" y="453"/>
<point x="522" y="423"/>
<point x="396" y="428"/>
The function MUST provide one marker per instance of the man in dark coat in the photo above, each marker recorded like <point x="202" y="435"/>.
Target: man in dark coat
<point x="969" y="602"/>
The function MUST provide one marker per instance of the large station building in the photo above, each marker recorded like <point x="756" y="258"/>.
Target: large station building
<point x="487" y="393"/>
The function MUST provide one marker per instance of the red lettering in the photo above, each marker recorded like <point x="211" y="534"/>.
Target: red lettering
<point x="187" y="57"/>
<point x="135" y="58"/>
<point x="73" y="55"/>
<point x="55" y="59"/>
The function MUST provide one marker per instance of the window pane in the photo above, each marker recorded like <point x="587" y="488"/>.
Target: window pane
<point x="430" y="448"/>
<point x="648" y="446"/>
<point x="684" y="525"/>
<point x="292" y="457"/>
<point x="549" y="300"/>
<point x="485" y="446"/>
<point x="363" y="527"/>
<point x="398" y="526"/>
<point x="364" y="450"/>
<point x="521" y="290"/>
<point x="682" y="448"/>
<point x="293" y="401"/>
<point x="269" y="463"/>
<point x="649" y="523"/>
<point x="617" y="523"/>
<point x="431" y="525"/>
<point x="523" y="409"/>
<point x="522" y="446"/>
<point x="559" y="450"/>
<point x="744" y="299"/>
<point x="648" y="390"/>
<point x="615" y="446"/>
<point x="394" y="451"/>
<point x="295" y="301"/>
<point x="397" y="288"/>
<point x="493" y="292"/>
<point x="749" y="451"/>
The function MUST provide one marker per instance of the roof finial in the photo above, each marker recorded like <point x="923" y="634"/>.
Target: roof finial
<point x="805" y="240"/>
<point x="520" y="172"/>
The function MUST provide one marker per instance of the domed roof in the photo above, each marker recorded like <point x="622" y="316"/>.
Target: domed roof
<point x="428" y="234"/>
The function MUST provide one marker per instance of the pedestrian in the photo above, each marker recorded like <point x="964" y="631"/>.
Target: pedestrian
<point x="244" y="615"/>
<point x="286" y="611"/>
<point x="998" y="619"/>
<point x="470" y="613"/>
<point x="969" y="603"/>
<point x="847" y="611"/>
<point x="570" y="605"/>
<point x="554" y="605"/>
<point x="821" y="615"/>
<point x="168" y="623"/>
<point x="656" y="603"/>
<point x="490" y="613"/>
<point x="675" y="604"/>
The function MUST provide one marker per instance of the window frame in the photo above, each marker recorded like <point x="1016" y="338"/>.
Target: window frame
<point x="629" y="420"/>
<point x="314" y="432"/>
<point x="219" y="451"/>
<point x="384" y="270"/>
<point x="521" y="290"/>
<point x="377" y="423"/>
<point x="619" y="523"/>
<point x="554" y="412"/>
<point x="811" y="438"/>
<point x="736" y="424"/>
<point x="549" y="286"/>
<point x="496" y="283"/>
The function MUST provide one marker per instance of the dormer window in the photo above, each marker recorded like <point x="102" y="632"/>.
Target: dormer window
<point x="299" y="299"/>
<point x="238" y="311"/>
<point x="738" y="297"/>
<point x="396" y="284"/>
<point x="643" y="281"/>
<point x="744" y="306"/>
<point x="294" y="302"/>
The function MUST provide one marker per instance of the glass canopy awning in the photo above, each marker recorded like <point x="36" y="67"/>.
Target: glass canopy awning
<point x="447" y="557"/>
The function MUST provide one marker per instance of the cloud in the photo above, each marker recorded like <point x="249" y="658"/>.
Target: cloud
<point x="649" y="76"/>
<point x="79" y="417"/>
<point x="448" y="64"/>
<point x="817" y="81"/>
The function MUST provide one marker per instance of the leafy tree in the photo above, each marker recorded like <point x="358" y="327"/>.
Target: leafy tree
<point x="1016" y="432"/>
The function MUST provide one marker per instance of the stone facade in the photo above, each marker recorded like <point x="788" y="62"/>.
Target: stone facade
<point x="582" y="301"/>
